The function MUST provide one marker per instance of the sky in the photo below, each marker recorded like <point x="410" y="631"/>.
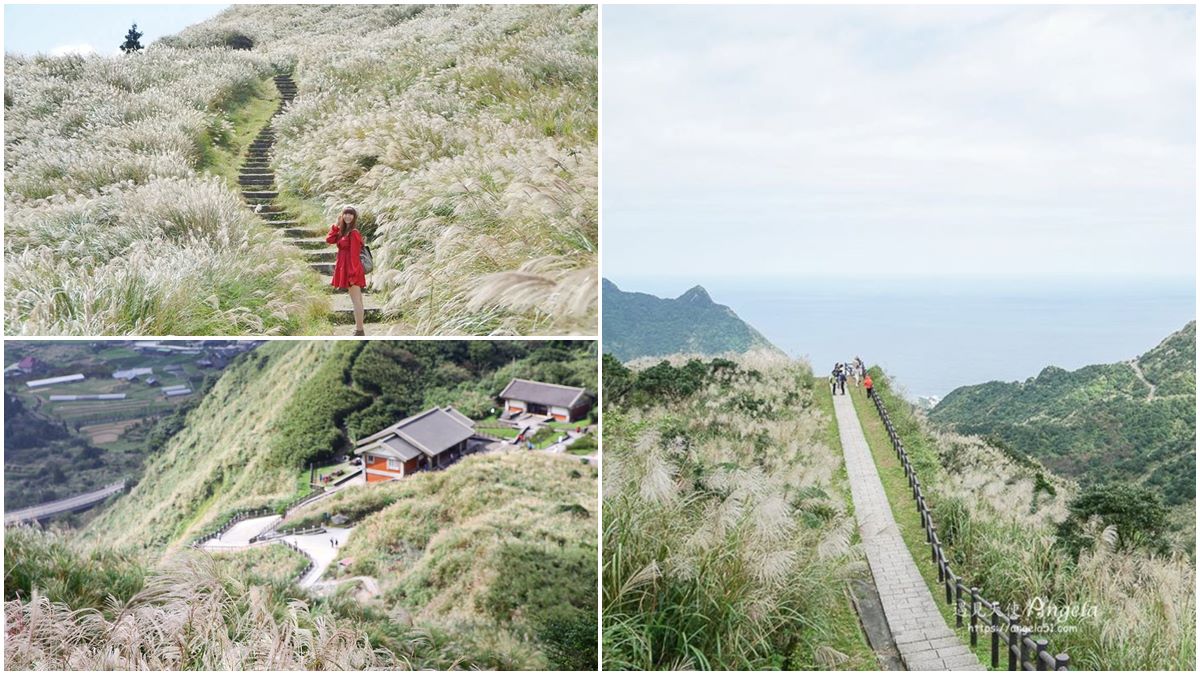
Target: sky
<point x="998" y="143"/>
<point x="62" y="29"/>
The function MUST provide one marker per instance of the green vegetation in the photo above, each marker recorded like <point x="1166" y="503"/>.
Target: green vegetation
<point x="264" y="565"/>
<point x="999" y="524"/>
<point x="1100" y="423"/>
<point x="503" y="539"/>
<point x="638" y="324"/>
<point x="310" y="425"/>
<point x="61" y="570"/>
<point x="222" y="152"/>
<point x="727" y="532"/>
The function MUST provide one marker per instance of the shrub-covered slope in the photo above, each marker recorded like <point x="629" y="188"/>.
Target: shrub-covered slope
<point x="1097" y="572"/>
<point x="220" y="460"/>
<point x="287" y="404"/>
<point x="639" y="324"/>
<point x="502" y="543"/>
<point x="1131" y="421"/>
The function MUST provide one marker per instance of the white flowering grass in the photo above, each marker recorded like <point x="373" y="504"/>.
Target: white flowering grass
<point x="727" y="535"/>
<point x="466" y="137"/>
<point x="110" y="229"/>
<point x="1000" y="526"/>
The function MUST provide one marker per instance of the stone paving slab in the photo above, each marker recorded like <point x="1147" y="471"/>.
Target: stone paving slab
<point x="924" y="640"/>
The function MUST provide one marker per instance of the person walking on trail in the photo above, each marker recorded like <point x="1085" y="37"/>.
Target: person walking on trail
<point x="842" y="381"/>
<point x="348" y="271"/>
<point x="868" y="384"/>
<point x="833" y="382"/>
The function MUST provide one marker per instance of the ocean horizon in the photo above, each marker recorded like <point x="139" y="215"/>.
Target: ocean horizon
<point x="933" y="336"/>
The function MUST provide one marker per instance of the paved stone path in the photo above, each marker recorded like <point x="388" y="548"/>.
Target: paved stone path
<point x="239" y="535"/>
<point x="924" y="640"/>
<point x="318" y="547"/>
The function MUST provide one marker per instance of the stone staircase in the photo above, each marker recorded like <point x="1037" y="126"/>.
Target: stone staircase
<point x="257" y="181"/>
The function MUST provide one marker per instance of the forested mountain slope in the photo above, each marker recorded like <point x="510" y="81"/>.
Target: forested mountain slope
<point x="1128" y="421"/>
<point x="640" y="324"/>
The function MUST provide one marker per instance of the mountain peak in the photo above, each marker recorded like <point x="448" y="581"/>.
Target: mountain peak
<point x="696" y="294"/>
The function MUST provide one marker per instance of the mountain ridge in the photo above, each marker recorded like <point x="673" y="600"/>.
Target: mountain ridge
<point x="638" y="324"/>
<point x="1130" y="420"/>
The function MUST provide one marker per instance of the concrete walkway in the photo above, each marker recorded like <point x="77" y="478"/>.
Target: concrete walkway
<point x="318" y="547"/>
<point x="239" y="535"/>
<point x="924" y="640"/>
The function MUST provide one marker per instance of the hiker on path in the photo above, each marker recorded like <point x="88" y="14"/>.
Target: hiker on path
<point x="867" y="383"/>
<point x="840" y="373"/>
<point x="348" y="270"/>
<point x="833" y="382"/>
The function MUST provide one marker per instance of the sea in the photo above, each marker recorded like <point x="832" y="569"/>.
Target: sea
<point x="933" y="336"/>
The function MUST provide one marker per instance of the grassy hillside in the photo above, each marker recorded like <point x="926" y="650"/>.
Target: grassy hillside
<point x="109" y="227"/>
<point x="502" y="545"/>
<point x="466" y="137"/>
<point x="288" y="404"/>
<point x="1132" y="421"/>
<point x="489" y="564"/>
<point x="639" y="324"/>
<point x="728" y="527"/>
<point x="1034" y="541"/>
<point x="218" y="462"/>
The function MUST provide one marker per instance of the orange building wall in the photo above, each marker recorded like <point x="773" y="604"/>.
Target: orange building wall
<point x="380" y="464"/>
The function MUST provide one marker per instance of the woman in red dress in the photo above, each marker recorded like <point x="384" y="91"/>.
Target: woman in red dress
<point x="348" y="271"/>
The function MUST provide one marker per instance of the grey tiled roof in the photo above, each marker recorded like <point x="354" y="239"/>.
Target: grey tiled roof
<point x="430" y="432"/>
<point x="544" y="394"/>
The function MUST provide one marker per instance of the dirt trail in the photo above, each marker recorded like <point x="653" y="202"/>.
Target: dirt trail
<point x="1137" y="370"/>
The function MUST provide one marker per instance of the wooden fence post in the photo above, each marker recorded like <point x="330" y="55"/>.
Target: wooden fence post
<point x="1062" y="662"/>
<point x="974" y="615"/>
<point x="958" y="603"/>
<point x="995" y="634"/>
<point x="1039" y="654"/>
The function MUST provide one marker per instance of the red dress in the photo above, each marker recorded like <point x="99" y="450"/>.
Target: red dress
<point x="348" y="270"/>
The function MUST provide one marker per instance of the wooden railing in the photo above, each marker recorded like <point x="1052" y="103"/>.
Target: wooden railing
<point x="276" y="534"/>
<point x="238" y="517"/>
<point x="307" y="568"/>
<point x="1023" y="651"/>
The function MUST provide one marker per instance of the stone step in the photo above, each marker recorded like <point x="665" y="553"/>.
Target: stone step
<point x="304" y="233"/>
<point x="277" y="216"/>
<point x="260" y="194"/>
<point x="255" y="181"/>
<point x="325" y="268"/>
<point x="307" y="242"/>
<point x="283" y="223"/>
<point x="256" y="174"/>
<point x="256" y="167"/>
<point x="328" y="255"/>
<point x="270" y="210"/>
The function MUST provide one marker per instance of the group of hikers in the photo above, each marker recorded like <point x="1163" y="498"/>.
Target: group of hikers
<point x="855" y="369"/>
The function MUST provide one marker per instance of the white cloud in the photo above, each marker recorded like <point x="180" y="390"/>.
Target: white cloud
<point x="983" y="140"/>
<point x="82" y="49"/>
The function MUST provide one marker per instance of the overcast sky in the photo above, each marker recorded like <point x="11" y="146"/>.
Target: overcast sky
<point x="86" y="29"/>
<point x="751" y="142"/>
